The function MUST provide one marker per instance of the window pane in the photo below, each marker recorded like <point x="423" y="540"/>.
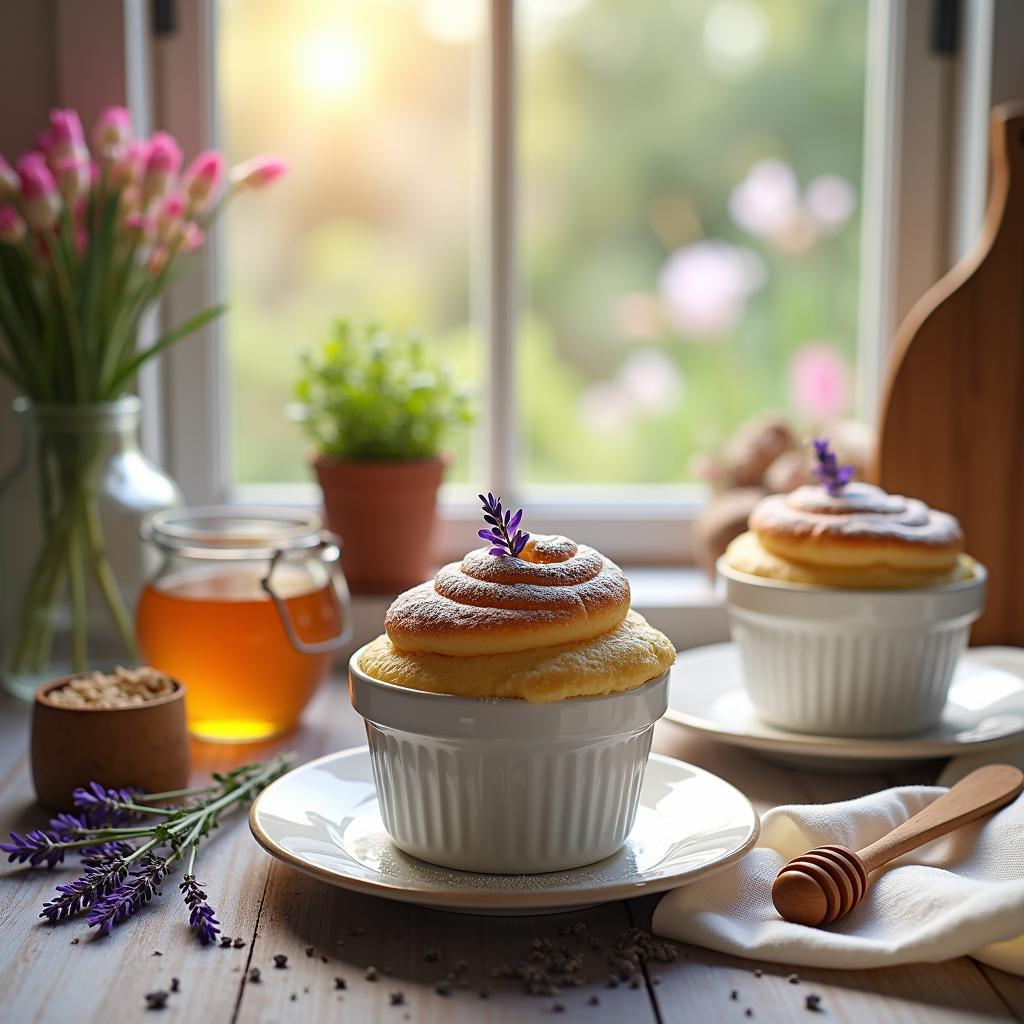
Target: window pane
<point x="371" y="105"/>
<point x="689" y="215"/>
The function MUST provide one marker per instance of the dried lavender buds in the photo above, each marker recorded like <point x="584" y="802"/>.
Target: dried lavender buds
<point x="122" y="688"/>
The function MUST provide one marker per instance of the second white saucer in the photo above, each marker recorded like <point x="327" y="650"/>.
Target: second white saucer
<point x="985" y="710"/>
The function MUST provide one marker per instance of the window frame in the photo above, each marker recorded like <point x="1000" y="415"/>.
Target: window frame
<point x="906" y="244"/>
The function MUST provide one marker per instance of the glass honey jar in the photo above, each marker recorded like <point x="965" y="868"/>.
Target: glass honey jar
<point x="247" y="609"/>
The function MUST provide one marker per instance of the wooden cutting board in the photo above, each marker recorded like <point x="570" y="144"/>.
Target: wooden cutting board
<point x="952" y="416"/>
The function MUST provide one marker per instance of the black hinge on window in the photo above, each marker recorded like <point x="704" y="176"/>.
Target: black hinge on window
<point x="165" y="17"/>
<point x="945" y="26"/>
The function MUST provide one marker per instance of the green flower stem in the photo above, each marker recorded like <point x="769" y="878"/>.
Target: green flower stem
<point x="67" y="299"/>
<point x="40" y="595"/>
<point x="75" y="533"/>
<point x="105" y="577"/>
<point x="76" y="580"/>
<point x="174" y="794"/>
<point x="191" y="821"/>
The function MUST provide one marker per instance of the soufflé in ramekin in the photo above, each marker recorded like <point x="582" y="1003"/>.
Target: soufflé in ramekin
<point x="509" y="707"/>
<point x="850" y="607"/>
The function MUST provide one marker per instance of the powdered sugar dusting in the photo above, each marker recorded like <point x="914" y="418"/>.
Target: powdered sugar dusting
<point x="517" y="603"/>
<point x="861" y="511"/>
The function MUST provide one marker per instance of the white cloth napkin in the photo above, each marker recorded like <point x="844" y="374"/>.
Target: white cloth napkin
<point x="959" y="895"/>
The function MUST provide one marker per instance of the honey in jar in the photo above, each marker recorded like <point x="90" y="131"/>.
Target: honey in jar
<point x="246" y="610"/>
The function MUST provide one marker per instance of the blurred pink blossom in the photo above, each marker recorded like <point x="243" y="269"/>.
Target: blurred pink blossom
<point x="187" y="237"/>
<point x="830" y="200"/>
<point x="259" y="171"/>
<point x="126" y="167"/>
<point x="820" y="381"/>
<point x="162" y="163"/>
<point x="74" y="176"/>
<point x="113" y="129"/>
<point x="652" y="380"/>
<point x="10" y="184"/>
<point x="65" y="137"/>
<point x="40" y="197"/>
<point x="705" y="286"/>
<point x="194" y="237"/>
<point x="12" y="227"/>
<point x="201" y="179"/>
<point x="141" y="225"/>
<point x="767" y="200"/>
<point x="169" y="216"/>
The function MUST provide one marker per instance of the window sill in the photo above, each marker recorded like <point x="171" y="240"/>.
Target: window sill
<point x="678" y="601"/>
<point x="647" y="525"/>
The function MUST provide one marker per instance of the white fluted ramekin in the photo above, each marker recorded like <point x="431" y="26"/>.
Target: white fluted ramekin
<point x="506" y="786"/>
<point x="837" y="662"/>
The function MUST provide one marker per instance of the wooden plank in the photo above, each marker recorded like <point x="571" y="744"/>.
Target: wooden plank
<point x="1009" y="986"/>
<point x="700" y="984"/>
<point x="44" y="976"/>
<point x="951" y="417"/>
<point x="303" y="916"/>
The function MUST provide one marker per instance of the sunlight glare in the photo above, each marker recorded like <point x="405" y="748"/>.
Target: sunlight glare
<point x="333" y="65"/>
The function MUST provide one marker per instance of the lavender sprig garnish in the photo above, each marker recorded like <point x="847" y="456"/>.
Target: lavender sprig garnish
<point x="830" y="474"/>
<point x="504" y="533"/>
<point x="125" y="862"/>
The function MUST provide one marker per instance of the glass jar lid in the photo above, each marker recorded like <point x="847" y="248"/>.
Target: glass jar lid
<point x="233" y="532"/>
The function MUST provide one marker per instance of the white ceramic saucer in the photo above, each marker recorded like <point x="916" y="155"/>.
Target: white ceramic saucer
<point x="985" y="710"/>
<point x="323" y="819"/>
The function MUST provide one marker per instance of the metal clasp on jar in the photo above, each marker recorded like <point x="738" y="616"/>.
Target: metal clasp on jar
<point x="329" y="551"/>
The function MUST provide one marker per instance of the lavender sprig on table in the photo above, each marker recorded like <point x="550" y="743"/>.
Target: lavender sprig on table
<point x="504" y="533"/>
<point x="830" y="474"/>
<point x="128" y="842"/>
<point x="99" y="880"/>
<point x="201" y="915"/>
<point x="132" y="894"/>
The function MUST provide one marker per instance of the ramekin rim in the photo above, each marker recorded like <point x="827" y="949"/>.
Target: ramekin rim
<point x="440" y="698"/>
<point x="726" y="571"/>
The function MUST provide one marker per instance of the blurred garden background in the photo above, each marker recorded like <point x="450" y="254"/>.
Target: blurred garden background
<point x="689" y="214"/>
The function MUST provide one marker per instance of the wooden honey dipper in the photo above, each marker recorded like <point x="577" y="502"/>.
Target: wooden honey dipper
<point x="827" y="883"/>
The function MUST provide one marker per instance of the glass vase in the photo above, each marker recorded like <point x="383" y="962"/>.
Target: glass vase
<point x="72" y="561"/>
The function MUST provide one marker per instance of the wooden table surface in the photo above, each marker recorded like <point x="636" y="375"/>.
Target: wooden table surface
<point x="62" y="973"/>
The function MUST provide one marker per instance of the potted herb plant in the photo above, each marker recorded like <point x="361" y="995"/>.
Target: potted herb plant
<point x="378" y="407"/>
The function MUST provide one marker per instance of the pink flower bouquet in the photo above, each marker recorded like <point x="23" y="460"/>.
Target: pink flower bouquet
<point x="89" y="240"/>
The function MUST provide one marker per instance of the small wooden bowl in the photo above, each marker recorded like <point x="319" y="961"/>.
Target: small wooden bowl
<point x="143" y="745"/>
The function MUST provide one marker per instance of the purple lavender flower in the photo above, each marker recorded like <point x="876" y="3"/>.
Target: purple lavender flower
<point x="101" y="806"/>
<point x="504" y="534"/>
<point x="130" y="896"/>
<point x="36" y="847"/>
<point x="98" y="881"/>
<point x="69" y="828"/>
<point x="830" y="474"/>
<point x="201" y="917"/>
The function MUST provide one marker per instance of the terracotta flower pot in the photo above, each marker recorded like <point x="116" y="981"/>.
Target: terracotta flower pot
<point x="384" y="513"/>
<point x="143" y="745"/>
